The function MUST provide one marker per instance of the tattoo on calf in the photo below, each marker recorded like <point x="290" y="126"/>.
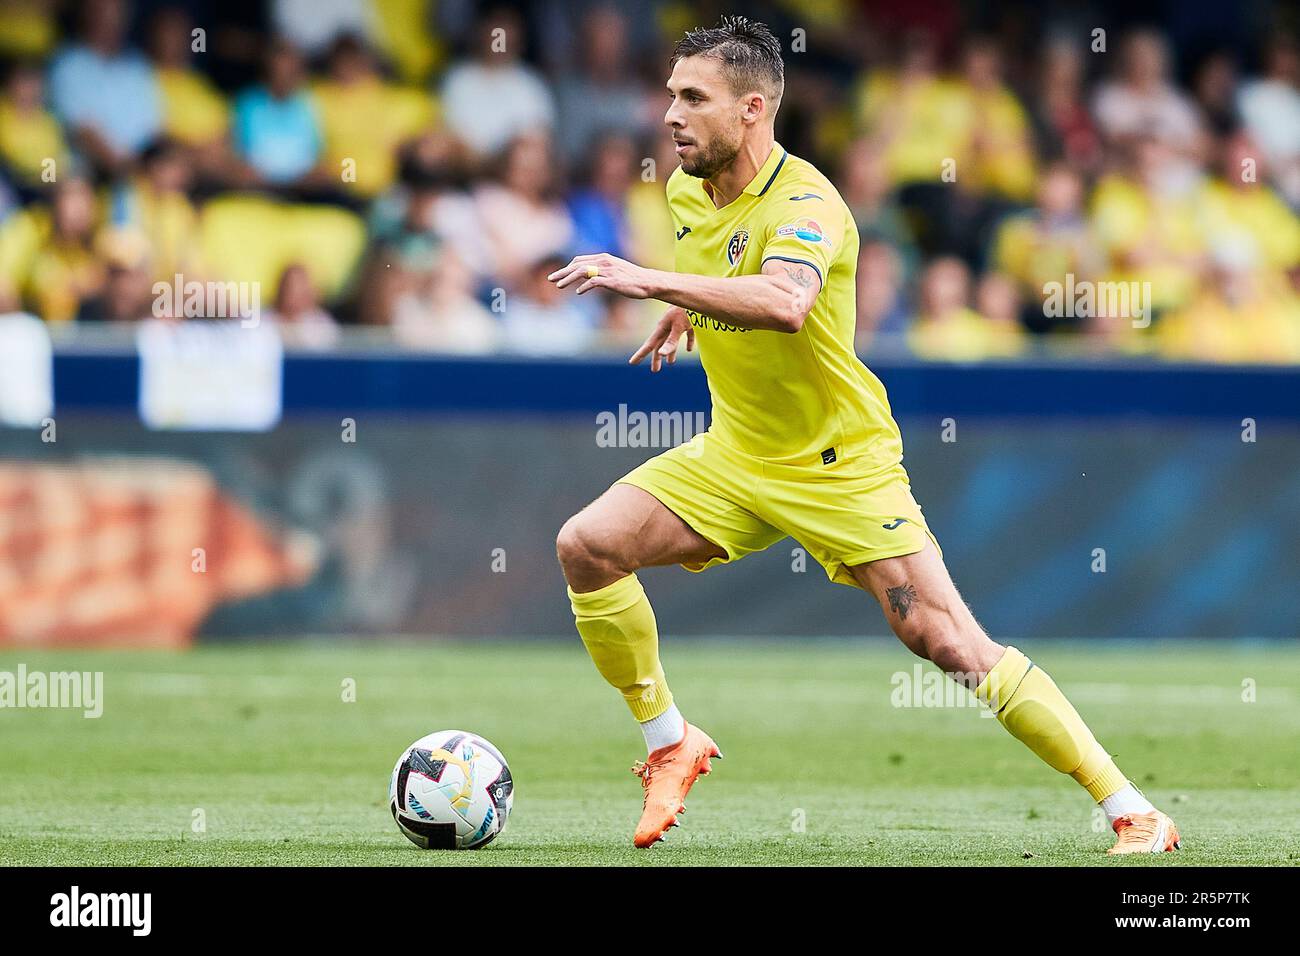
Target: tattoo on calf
<point x="901" y="599"/>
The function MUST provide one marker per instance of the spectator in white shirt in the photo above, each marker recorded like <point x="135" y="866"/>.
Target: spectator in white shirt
<point x="495" y="97"/>
<point x="542" y="320"/>
<point x="1141" y="101"/>
<point x="439" y="312"/>
<point x="1270" y="109"/>
<point x="298" y="313"/>
<point x="522" y="215"/>
<point x="313" y="25"/>
<point x="103" y="92"/>
<point x="597" y="93"/>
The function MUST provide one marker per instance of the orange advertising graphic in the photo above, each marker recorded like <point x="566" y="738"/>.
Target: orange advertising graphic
<point x="130" y="552"/>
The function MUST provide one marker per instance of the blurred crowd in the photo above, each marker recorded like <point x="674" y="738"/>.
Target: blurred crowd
<point x="422" y="165"/>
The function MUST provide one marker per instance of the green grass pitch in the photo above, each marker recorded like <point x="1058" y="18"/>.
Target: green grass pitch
<point x="820" y="767"/>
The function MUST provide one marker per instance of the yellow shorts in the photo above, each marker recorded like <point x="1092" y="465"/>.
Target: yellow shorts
<point x="744" y="504"/>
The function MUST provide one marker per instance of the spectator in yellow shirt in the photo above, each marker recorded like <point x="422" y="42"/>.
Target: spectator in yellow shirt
<point x="1000" y="156"/>
<point x="28" y="28"/>
<point x="155" y="204"/>
<point x="63" y="272"/>
<point x="921" y="120"/>
<point x="998" y="301"/>
<point x="1048" y="243"/>
<point x="31" y="141"/>
<point x="948" y="329"/>
<point x="1148" y="221"/>
<point x="194" y="111"/>
<point x="365" y="120"/>
<point x="957" y="148"/>
<point x="1242" y="212"/>
<point x="1242" y="315"/>
<point x="127" y="294"/>
<point x="916" y="118"/>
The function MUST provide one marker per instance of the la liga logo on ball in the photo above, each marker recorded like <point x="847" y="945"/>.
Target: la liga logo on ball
<point x="736" y="246"/>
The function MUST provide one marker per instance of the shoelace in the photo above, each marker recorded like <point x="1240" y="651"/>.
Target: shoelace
<point x="1129" y="830"/>
<point x="643" y="769"/>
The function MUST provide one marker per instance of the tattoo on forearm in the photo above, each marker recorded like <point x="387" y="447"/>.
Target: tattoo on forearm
<point x="901" y="599"/>
<point x="800" y="275"/>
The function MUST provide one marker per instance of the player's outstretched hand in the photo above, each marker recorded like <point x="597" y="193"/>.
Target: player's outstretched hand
<point x="661" y="346"/>
<point x="602" y="271"/>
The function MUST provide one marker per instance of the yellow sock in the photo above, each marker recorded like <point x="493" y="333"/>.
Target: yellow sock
<point x="1030" y="705"/>
<point x="618" y="626"/>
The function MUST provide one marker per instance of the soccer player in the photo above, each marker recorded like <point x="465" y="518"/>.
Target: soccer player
<point x="802" y="442"/>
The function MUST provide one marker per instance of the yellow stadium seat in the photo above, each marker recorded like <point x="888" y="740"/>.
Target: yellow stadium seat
<point x="253" y="238"/>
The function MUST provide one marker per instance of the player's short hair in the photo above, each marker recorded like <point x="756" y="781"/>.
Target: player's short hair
<point x="750" y="54"/>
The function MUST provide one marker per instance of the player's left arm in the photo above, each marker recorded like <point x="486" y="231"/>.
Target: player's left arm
<point x="778" y="299"/>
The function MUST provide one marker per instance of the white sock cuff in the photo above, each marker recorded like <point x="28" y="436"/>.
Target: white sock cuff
<point x="665" y="730"/>
<point x="1127" y="799"/>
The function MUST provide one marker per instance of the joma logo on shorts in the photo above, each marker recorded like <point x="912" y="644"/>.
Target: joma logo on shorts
<point x="894" y="524"/>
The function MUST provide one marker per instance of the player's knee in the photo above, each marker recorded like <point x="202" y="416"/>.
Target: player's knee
<point x="952" y="647"/>
<point x="584" y="553"/>
<point x="946" y="651"/>
<point x="570" y="544"/>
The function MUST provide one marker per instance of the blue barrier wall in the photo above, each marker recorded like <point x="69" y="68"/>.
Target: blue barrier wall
<point x="440" y="518"/>
<point x="407" y="384"/>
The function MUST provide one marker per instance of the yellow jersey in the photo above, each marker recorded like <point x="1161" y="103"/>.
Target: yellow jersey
<point x="801" y="399"/>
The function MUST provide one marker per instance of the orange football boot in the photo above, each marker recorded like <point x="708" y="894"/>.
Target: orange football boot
<point x="1144" y="833"/>
<point x="666" y="776"/>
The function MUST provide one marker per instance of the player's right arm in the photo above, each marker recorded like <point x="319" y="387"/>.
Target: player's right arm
<point x="770" y="300"/>
<point x="797" y="281"/>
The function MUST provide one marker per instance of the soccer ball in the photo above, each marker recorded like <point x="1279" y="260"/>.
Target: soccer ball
<point x="451" y="791"/>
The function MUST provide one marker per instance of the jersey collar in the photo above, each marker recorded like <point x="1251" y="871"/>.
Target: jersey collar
<point x="768" y="172"/>
<point x="762" y="180"/>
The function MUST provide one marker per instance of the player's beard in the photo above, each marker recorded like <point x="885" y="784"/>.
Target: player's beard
<point x="713" y="159"/>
